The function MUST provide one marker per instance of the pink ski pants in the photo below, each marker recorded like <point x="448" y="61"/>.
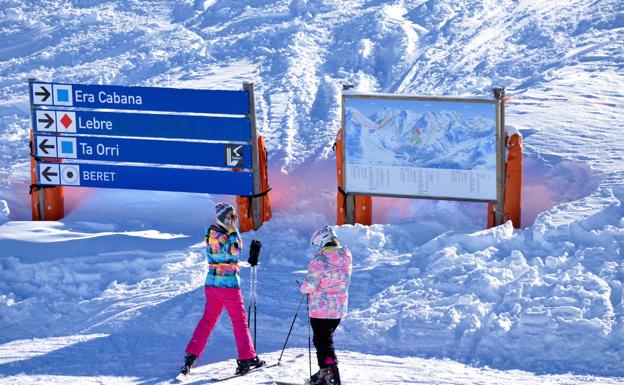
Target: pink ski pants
<point x="216" y="299"/>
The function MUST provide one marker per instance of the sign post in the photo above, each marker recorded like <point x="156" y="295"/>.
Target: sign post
<point x="163" y="99"/>
<point x="145" y="178"/>
<point x="349" y="199"/>
<point x="143" y="125"/>
<point x="499" y="209"/>
<point x="144" y="138"/>
<point x="94" y="148"/>
<point x="256" y="208"/>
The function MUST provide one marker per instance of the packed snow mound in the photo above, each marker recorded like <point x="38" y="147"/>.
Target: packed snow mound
<point x="552" y="292"/>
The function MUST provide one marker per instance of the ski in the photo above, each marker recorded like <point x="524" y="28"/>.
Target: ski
<point x="213" y="380"/>
<point x="181" y="378"/>
<point x="288" y="382"/>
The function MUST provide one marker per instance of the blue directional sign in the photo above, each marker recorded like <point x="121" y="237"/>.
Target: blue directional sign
<point x="146" y="178"/>
<point x="142" y="125"/>
<point x="144" y="151"/>
<point x="140" y="98"/>
<point x="163" y="131"/>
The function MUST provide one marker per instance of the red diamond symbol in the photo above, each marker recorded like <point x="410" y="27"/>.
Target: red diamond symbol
<point x="66" y="120"/>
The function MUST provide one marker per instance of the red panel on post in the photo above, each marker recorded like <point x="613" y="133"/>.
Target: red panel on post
<point x="363" y="203"/>
<point x="243" y="204"/>
<point x="53" y="197"/>
<point x="264" y="180"/>
<point x="364" y="210"/>
<point x="513" y="184"/>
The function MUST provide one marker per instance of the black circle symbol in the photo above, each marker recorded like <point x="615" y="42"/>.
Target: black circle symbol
<point x="70" y="175"/>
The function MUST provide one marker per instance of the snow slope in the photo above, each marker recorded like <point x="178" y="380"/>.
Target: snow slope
<point x="358" y="368"/>
<point x="118" y="281"/>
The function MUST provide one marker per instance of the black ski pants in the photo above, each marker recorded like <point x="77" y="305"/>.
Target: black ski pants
<point x="324" y="339"/>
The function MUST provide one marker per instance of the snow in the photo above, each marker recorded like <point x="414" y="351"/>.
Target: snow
<point x="360" y="367"/>
<point x="111" y="293"/>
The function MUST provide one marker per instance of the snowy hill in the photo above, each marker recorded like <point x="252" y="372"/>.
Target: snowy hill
<point x="112" y="293"/>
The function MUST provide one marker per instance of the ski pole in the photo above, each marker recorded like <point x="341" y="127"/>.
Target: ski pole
<point x="309" y="344"/>
<point x="290" y="330"/>
<point x="255" y="299"/>
<point x="254" y="254"/>
<point x="250" y="297"/>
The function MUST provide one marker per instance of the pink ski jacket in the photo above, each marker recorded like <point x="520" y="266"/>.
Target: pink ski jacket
<point x="327" y="282"/>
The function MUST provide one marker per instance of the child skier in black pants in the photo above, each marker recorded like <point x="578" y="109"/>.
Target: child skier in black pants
<point x="325" y="353"/>
<point x="327" y="286"/>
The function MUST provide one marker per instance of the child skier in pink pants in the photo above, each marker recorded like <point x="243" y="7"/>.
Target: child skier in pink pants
<point x="222" y="288"/>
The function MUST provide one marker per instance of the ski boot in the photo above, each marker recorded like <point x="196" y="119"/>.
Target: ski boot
<point x="245" y="366"/>
<point x="331" y="375"/>
<point x="189" y="360"/>
<point x="317" y="378"/>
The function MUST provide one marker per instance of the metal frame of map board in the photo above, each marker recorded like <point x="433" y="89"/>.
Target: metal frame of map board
<point x="500" y="148"/>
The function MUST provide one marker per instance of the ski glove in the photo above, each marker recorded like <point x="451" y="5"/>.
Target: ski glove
<point x="254" y="252"/>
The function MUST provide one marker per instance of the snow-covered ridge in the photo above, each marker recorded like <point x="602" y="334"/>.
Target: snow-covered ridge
<point x="552" y="291"/>
<point x="299" y="53"/>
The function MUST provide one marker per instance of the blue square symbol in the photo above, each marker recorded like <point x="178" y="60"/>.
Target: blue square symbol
<point x="67" y="147"/>
<point x="62" y="95"/>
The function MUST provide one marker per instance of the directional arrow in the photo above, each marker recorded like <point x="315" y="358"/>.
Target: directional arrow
<point x="46" y="94"/>
<point x="47" y="173"/>
<point x="44" y="146"/>
<point x="49" y="120"/>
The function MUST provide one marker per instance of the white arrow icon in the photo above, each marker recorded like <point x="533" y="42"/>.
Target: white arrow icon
<point x="234" y="156"/>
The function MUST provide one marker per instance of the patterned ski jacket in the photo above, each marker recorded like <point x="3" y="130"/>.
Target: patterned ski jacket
<point x="222" y="250"/>
<point x="327" y="282"/>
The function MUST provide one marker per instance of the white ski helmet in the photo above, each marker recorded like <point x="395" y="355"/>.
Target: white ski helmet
<point x="323" y="236"/>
